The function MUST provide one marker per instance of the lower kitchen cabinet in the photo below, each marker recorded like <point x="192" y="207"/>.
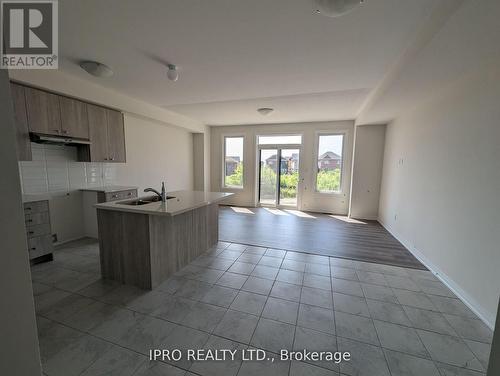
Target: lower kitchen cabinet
<point x="38" y="231"/>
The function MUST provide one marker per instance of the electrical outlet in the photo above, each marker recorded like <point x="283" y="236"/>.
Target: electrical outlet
<point x="395" y="217"/>
<point x="54" y="238"/>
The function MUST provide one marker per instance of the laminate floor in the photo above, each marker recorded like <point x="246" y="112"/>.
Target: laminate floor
<point x="392" y="320"/>
<point x="315" y="233"/>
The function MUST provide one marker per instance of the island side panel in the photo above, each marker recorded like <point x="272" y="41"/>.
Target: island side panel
<point x="171" y="241"/>
<point x="199" y="232"/>
<point x="110" y="232"/>
<point x="212" y="225"/>
<point x="178" y="240"/>
<point x="125" y="247"/>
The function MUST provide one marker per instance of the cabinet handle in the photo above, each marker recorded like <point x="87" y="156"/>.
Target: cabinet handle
<point x="111" y="159"/>
<point x="30" y="232"/>
<point x="129" y="194"/>
<point x="105" y="159"/>
<point x="29" y="220"/>
<point x="64" y="131"/>
<point x="33" y="249"/>
<point x="114" y="196"/>
<point x="27" y="208"/>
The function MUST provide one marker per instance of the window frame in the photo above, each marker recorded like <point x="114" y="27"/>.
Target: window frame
<point x="342" y="133"/>
<point x="223" y="182"/>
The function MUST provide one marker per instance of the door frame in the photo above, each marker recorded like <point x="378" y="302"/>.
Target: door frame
<point x="279" y="148"/>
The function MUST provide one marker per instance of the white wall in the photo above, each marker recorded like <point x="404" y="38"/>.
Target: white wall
<point x="155" y="153"/>
<point x="311" y="200"/>
<point x="367" y="171"/>
<point x="440" y="191"/>
<point x="19" y="351"/>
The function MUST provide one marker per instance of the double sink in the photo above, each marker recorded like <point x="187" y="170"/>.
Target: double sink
<point x="143" y="200"/>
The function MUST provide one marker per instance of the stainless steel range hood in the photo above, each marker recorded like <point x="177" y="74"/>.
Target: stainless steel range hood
<point x="57" y="140"/>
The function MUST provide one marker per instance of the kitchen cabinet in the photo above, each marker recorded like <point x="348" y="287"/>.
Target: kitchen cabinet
<point x="74" y="120"/>
<point x="50" y="114"/>
<point x="107" y="135"/>
<point x="38" y="231"/>
<point x="44" y="112"/>
<point x="21" y="122"/>
<point x="116" y="136"/>
<point x="98" y="131"/>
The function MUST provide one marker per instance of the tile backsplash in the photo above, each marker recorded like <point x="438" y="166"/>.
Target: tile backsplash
<point x="55" y="169"/>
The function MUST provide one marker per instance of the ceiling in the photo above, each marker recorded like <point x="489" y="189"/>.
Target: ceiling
<point x="238" y="55"/>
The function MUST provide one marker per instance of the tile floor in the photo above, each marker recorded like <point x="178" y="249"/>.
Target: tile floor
<point x="394" y="321"/>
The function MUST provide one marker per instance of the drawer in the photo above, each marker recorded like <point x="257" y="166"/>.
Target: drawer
<point x="38" y="230"/>
<point x="36" y="218"/>
<point x="122" y="195"/>
<point x="36" y="207"/>
<point x="39" y="246"/>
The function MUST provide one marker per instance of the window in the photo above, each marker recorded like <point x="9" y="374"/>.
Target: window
<point x="277" y="140"/>
<point x="233" y="162"/>
<point x="329" y="164"/>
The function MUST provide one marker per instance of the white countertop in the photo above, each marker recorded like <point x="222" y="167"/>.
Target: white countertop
<point x="36" y="197"/>
<point x="108" y="188"/>
<point x="184" y="201"/>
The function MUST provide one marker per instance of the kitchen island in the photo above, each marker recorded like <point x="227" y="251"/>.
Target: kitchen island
<point x="143" y="241"/>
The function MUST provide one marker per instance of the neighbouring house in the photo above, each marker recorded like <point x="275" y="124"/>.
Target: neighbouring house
<point x="232" y="164"/>
<point x="329" y="161"/>
<point x="289" y="165"/>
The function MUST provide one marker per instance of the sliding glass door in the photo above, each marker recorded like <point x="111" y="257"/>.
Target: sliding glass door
<point x="279" y="176"/>
<point x="268" y="177"/>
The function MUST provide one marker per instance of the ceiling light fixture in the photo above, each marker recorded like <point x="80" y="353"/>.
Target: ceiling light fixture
<point x="172" y="73"/>
<point x="265" y="111"/>
<point x="335" y="8"/>
<point x="96" y="69"/>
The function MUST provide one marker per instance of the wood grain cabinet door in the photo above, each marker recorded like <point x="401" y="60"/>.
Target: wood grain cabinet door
<point x="116" y="137"/>
<point x="21" y="123"/>
<point x="44" y="114"/>
<point x="98" y="133"/>
<point x="74" y="120"/>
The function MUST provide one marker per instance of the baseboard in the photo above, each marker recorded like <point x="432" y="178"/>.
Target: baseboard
<point x="468" y="300"/>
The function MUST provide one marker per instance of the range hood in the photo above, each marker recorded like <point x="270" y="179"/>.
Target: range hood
<point x="57" y="140"/>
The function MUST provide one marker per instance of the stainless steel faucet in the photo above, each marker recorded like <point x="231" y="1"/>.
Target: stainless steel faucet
<point x="162" y="195"/>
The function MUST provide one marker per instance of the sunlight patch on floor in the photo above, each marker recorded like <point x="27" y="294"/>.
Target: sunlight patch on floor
<point x="242" y="210"/>
<point x="343" y="218"/>
<point x="299" y="213"/>
<point x="275" y="211"/>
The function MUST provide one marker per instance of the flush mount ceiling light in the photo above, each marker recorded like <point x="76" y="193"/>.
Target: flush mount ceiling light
<point x="172" y="73"/>
<point x="335" y="8"/>
<point x="265" y="111"/>
<point x="96" y="69"/>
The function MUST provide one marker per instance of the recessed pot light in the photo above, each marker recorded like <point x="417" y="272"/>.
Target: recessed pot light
<point x="335" y="8"/>
<point x="96" y="69"/>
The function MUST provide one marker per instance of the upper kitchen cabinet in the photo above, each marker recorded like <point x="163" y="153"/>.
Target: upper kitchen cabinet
<point x="98" y="131"/>
<point x="107" y="135"/>
<point x="74" y="121"/>
<point x="21" y="122"/>
<point x="116" y="136"/>
<point x="44" y="112"/>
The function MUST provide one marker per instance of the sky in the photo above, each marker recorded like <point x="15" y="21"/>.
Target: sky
<point x="234" y="146"/>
